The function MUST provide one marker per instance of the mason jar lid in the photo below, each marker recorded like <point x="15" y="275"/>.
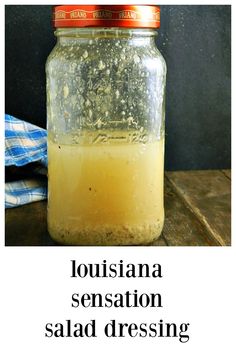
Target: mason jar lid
<point x="138" y="16"/>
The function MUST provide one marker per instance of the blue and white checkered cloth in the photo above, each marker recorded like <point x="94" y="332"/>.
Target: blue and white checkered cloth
<point x="25" y="143"/>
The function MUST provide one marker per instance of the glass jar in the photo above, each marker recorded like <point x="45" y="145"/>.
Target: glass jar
<point x="105" y="110"/>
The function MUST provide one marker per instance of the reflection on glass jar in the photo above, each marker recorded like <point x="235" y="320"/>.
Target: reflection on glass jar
<point x="105" y="104"/>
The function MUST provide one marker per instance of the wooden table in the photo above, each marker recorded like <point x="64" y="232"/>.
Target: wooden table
<point x="197" y="213"/>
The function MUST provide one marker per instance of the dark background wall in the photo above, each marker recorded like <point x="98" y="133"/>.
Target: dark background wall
<point x="195" y="41"/>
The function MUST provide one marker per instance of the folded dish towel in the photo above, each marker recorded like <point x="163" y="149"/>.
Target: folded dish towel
<point x="25" y="145"/>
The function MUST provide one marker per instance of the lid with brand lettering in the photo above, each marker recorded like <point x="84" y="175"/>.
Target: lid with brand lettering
<point x="141" y="16"/>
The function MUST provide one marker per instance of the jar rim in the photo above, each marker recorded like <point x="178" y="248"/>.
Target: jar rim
<point x="105" y="32"/>
<point x="129" y="16"/>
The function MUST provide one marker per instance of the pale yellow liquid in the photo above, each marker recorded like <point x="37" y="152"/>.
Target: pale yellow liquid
<point x="106" y="194"/>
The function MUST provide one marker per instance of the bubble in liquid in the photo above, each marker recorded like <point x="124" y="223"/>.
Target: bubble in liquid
<point x="85" y="54"/>
<point x="66" y="91"/>
<point x="101" y="65"/>
<point x="117" y="93"/>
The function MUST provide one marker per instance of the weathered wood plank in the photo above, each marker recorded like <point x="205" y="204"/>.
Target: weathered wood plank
<point x="181" y="227"/>
<point x="208" y="194"/>
<point x="27" y="226"/>
<point x="227" y="173"/>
